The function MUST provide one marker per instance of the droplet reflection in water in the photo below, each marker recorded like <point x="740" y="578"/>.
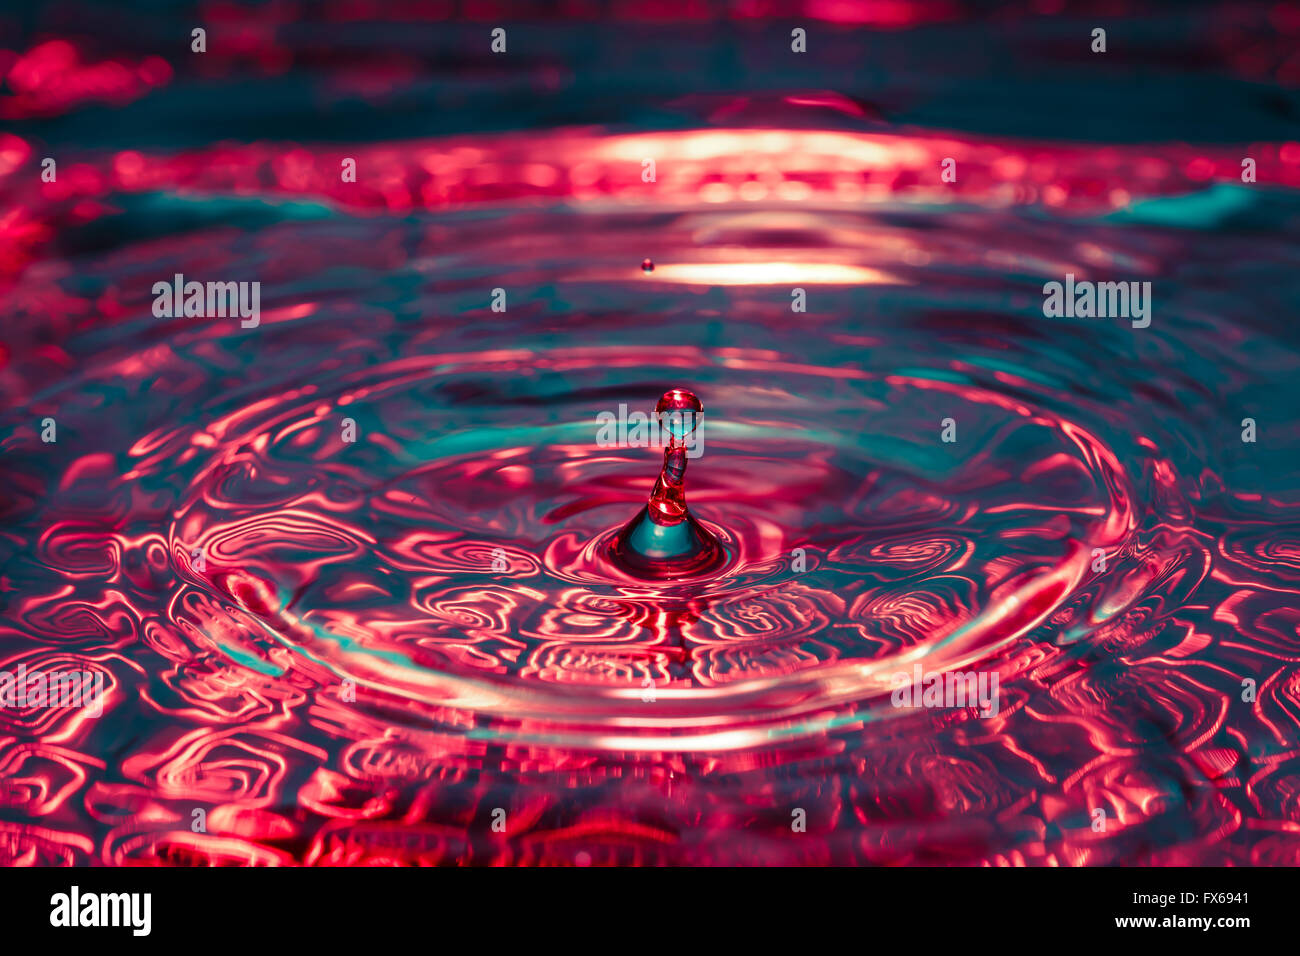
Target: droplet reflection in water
<point x="664" y="540"/>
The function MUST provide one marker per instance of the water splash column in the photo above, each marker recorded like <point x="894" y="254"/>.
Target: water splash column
<point x="665" y="540"/>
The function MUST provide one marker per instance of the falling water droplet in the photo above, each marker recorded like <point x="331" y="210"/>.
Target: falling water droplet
<point x="647" y="265"/>
<point x="665" y="540"/>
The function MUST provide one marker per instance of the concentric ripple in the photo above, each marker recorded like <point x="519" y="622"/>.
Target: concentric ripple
<point x="346" y="573"/>
<point x="466" y="568"/>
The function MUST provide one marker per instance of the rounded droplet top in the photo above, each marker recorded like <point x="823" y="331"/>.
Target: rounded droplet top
<point x="679" y="412"/>
<point x="647" y="265"/>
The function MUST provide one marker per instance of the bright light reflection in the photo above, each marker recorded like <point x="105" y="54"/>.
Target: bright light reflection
<point x="772" y="273"/>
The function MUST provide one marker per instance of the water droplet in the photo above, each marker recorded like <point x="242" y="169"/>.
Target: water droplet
<point x="647" y="265"/>
<point x="665" y="540"/>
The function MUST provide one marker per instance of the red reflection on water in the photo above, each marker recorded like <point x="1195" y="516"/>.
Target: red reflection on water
<point x="359" y="652"/>
<point x="51" y="78"/>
